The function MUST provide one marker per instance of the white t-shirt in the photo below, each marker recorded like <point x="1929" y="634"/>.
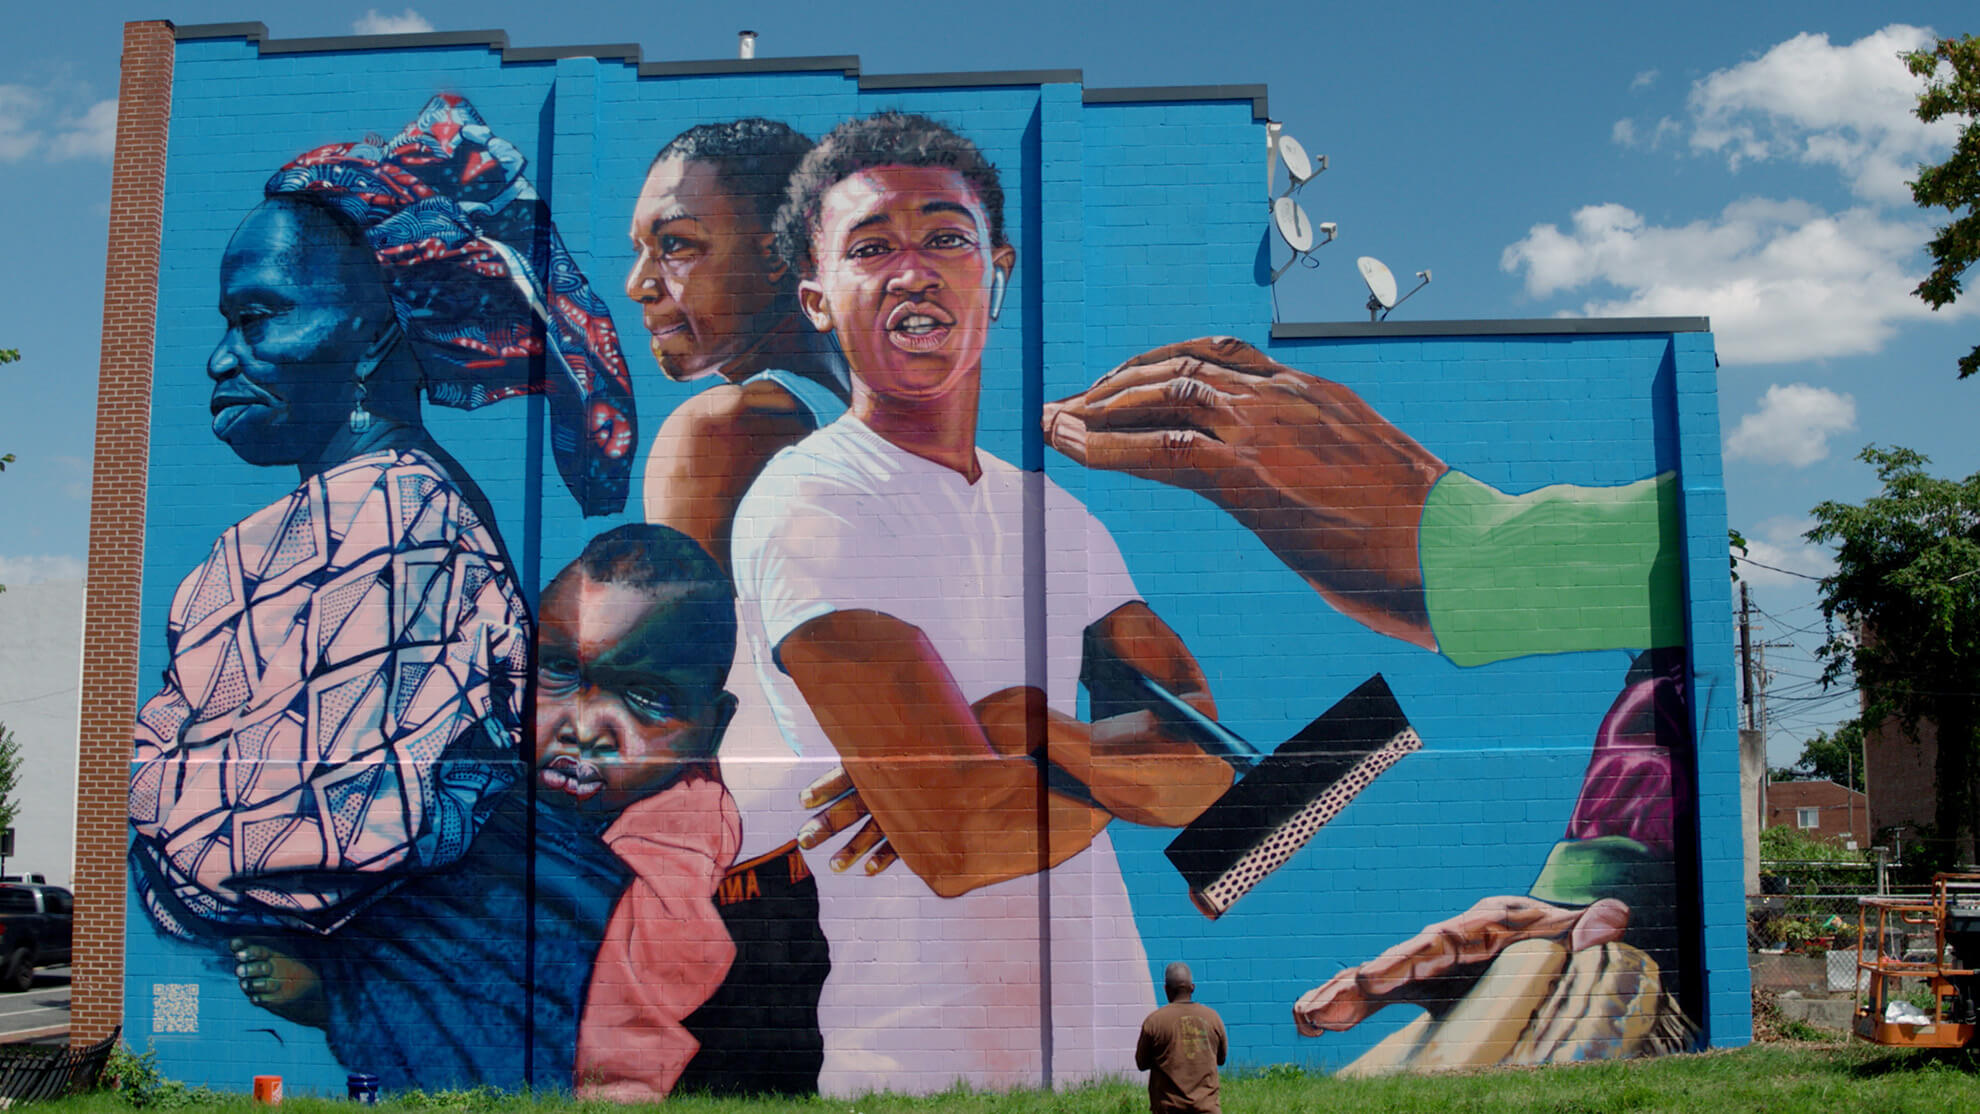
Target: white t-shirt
<point x="926" y="990"/>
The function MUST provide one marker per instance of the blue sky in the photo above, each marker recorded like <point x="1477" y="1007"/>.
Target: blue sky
<point x="1742" y="163"/>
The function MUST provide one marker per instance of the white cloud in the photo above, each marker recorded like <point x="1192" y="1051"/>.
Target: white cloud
<point x="1781" y="280"/>
<point x="36" y="122"/>
<point x="19" y="105"/>
<point x="1847" y="107"/>
<point x="1793" y="425"/>
<point x="92" y="135"/>
<point x="1778" y="542"/>
<point x="374" y="22"/>
<point x="1643" y="80"/>
<point x="36" y="568"/>
<point x="1627" y="132"/>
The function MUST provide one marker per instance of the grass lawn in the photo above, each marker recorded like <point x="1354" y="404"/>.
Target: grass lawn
<point x="1788" y="1078"/>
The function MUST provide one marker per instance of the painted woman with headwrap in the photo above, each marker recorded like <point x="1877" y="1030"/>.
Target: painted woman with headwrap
<point x="343" y="705"/>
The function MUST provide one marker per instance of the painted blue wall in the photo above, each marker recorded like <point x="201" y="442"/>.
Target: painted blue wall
<point x="1136" y="224"/>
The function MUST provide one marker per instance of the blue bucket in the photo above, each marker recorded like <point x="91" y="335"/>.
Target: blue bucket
<point x="362" y="1088"/>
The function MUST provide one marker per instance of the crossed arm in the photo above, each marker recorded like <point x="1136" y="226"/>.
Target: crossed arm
<point x="956" y="787"/>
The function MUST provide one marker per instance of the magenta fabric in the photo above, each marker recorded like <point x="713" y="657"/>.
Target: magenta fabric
<point x="1634" y="780"/>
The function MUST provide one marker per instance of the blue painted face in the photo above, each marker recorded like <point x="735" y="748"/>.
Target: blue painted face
<point x="303" y="304"/>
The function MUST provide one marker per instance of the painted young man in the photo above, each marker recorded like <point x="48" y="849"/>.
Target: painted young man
<point x="432" y="986"/>
<point x="883" y="581"/>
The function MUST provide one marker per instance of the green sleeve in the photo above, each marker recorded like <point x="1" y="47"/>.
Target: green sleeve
<point x="1559" y="569"/>
<point x="1582" y="872"/>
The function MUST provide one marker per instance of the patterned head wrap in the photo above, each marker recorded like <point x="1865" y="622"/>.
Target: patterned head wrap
<point x="480" y="279"/>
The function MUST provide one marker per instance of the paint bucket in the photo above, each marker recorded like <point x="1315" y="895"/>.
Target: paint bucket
<point x="361" y="1087"/>
<point x="268" y="1090"/>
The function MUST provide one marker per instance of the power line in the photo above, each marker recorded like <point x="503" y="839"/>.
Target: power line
<point x="31" y="699"/>
<point x="1771" y="568"/>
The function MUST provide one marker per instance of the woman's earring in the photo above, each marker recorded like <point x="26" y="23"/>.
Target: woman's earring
<point x="999" y="281"/>
<point x="368" y="365"/>
<point x="360" y="417"/>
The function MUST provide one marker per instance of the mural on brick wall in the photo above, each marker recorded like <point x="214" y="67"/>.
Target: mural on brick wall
<point x="846" y="753"/>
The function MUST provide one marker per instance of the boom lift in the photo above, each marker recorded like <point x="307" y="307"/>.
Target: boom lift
<point x="1891" y="947"/>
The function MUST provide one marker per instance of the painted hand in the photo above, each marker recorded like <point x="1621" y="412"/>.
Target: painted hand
<point x="1328" y="484"/>
<point x="839" y="809"/>
<point x="1426" y="967"/>
<point x="279" y="983"/>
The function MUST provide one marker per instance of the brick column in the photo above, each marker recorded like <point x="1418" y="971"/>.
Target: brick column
<point x="116" y="528"/>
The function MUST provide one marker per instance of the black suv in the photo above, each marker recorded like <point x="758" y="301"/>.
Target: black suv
<point x="36" y="922"/>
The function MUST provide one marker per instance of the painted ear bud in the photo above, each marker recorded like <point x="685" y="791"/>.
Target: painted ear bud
<point x="1000" y="280"/>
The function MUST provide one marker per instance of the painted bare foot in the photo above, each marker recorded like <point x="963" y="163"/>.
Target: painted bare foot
<point x="279" y="983"/>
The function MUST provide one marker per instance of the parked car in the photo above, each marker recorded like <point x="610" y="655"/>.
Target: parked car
<point x="35" y="930"/>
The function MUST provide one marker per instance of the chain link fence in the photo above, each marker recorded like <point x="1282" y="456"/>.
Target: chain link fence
<point x="1801" y="929"/>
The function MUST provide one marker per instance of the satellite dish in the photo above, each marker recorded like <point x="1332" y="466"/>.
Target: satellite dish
<point x="1381" y="282"/>
<point x="1293" y="225"/>
<point x="1298" y="166"/>
<point x="1382" y="287"/>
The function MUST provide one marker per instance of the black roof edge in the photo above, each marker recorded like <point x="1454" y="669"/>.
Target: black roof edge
<point x="604" y="52"/>
<point x="631" y="53"/>
<point x="1527" y="326"/>
<point x="952" y="80"/>
<point x="493" y="40"/>
<point x="1144" y="93"/>
<point x="499" y="40"/>
<point x="846" y="63"/>
<point x="256" y="30"/>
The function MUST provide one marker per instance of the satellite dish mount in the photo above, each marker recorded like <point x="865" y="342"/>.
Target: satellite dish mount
<point x="1382" y="286"/>
<point x="1295" y="228"/>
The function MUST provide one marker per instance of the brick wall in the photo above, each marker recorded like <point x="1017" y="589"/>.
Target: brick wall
<point x="1841" y="813"/>
<point x="1900" y="772"/>
<point x="116" y="526"/>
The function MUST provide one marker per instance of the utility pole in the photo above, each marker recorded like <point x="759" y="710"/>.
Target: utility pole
<point x="1753" y="716"/>
<point x="1766" y="680"/>
<point x="1746" y="649"/>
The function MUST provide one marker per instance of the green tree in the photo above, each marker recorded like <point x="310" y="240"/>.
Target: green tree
<point x="10" y="770"/>
<point x="7" y="356"/>
<point x="1952" y="72"/>
<point x="1837" y="758"/>
<point x="1907" y="587"/>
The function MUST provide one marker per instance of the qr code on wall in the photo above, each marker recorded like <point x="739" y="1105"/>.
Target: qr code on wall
<point x="175" y="1007"/>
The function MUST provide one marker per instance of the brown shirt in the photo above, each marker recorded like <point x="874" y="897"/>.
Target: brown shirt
<point x="1181" y="1045"/>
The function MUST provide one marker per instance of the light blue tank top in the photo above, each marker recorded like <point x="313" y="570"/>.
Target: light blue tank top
<point x="818" y="402"/>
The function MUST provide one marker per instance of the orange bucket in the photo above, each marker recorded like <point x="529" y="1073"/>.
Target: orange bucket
<point x="268" y="1090"/>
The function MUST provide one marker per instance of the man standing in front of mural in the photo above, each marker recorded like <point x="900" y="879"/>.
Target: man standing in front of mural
<point x="1396" y="539"/>
<point x="881" y="569"/>
<point x="1181" y="1046"/>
